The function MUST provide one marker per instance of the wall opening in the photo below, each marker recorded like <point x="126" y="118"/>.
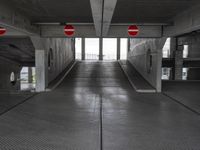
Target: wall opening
<point x="149" y="61"/>
<point x="78" y="48"/>
<point x="185" y="74"/>
<point x="92" y="48"/>
<point x="50" y="59"/>
<point x="185" y="51"/>
<point x="166" y="73"/>
<point x="123" y="48"/>
<point x="109" y="48"/>
<point x="27" y="79"/>
<point x="166" y="48"/>
<point x="13" y="79"/>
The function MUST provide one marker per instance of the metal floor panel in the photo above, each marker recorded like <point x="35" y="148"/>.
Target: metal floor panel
<point x="71" y="117"/>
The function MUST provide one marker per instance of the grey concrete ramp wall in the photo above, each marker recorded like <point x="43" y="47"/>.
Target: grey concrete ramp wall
<point x="6" y="68"/>
<point x="58" y="54"/>
<point x="146" y="56"/>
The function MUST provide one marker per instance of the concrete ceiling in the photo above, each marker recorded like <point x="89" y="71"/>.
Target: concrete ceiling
<point x="19" y="50"/>
<point x="127" y="11"/>
<point x="101" y="13"/>
<point x="150" y="11"/>
<point x="55" y="10"/>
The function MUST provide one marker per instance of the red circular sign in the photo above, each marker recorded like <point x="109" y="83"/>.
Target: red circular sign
<point x="2" y="31"/>
<point x="69" y="30"/>
<point x="133" y="30"/>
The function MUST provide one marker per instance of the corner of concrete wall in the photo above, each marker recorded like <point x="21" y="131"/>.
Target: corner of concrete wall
<point x="138" y="58"/>
<point x="59" y="53"/>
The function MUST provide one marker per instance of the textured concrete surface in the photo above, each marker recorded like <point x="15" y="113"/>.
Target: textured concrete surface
<point x="137" y="81"/>
<point x="139" y="56"/>
<point x="59" y="53"/>
<point x="9" y="100"/>
<point x="185" y="92"/>
<point x="6" y="68"/>
<point x="96" y="100"/>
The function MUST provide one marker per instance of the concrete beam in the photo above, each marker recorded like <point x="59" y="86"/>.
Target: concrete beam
<point x="83" y="49"/>
<point x="97" y="8"/>
<point x="118" y="48"/>
<point x="16" y="23"/>
<point x="89" y="31"/>
<point x="41" y="70"/>
<point x="185" y="22"/>
<point x="100" y="48"/>
<point x="109" y="7"/>
<point x="102" y="11"/>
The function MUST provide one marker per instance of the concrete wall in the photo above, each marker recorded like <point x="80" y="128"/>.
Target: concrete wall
<point x="57" y="54"/>
<point x="194" y="74"/>
<point x="6" y="68"/>
<point x="60" y="51"/>
<point x="193" y="40"/>
<point x="138" y="56"/>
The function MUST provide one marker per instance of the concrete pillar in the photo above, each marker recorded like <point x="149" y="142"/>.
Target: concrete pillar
<point x="83" y="48"/>
<point x="118" y="48"/>
<point x="176" y="53"/>
<point x="30" y="75"/>
<point x="128" y="47"/>
<point x="41" y="68"/>
<point x="173" y="46"/>
<point x="100" y="48"/>
<point x="178" y="66"/>
<point x="74" y="48"/>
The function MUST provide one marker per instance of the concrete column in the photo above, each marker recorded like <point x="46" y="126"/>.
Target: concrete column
<point x="118" y="48"/>
<point x="178" y="66"/>
<point x="176" y="53"/>
<point x="100" y="48"/>
<point x="128" y="47"/>
<point x="30" y="75"/>
<point x="173" y="45"/>
<point x="74" y="48"/>
<point x="83" y="48"/>
<point x="41" y="68"/>
<point x="129" y="44"/>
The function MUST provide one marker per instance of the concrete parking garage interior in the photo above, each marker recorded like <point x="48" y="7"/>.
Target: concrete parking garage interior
<point x="99" y="88"/>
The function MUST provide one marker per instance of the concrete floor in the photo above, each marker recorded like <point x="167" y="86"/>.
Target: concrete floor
<point x="185" y="92"/>
<point x="96" y="108"/>
<point x="8" y="100"/>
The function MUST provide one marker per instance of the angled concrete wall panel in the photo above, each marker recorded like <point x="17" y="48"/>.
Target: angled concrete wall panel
<point x="146" y="56"/>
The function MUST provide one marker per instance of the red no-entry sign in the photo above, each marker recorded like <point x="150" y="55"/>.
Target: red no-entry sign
<point x="2" y="31"/>
<point x="69" y="30"/>
<point x="133" y="30"/>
